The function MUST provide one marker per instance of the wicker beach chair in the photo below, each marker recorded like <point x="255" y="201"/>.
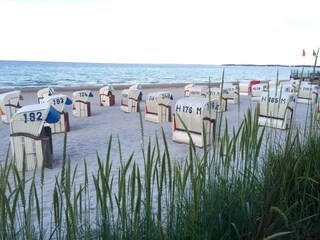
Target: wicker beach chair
<point x="130" y="99"/>
<point x="58" y="101"/>
<point x="44" y="92"/>
<point x="81" y="105"/>
<point x="307" y="93"/>
<point x="31" y="141"/>
<point x="198" y="91"/>
<point x="158" y="107"/>
<point x="276" y="109"/>
<point x="194" y="117"/>
<point x="230" y="92"/>
<point x="215" y="94"/>
<point x="257" y="90"/>
<point x="9" y="105"/>
<point x="283" y="87"/>
<point x="187" y="89"/>
<point x="245" y="86"/>
<point x="137" y="86"/>
<point x="107" y="97"/>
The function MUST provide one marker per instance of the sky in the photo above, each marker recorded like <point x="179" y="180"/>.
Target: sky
<point x="160" y="31"/>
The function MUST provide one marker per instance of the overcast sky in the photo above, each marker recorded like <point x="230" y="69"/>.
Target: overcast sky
<point x="160" y="31"/>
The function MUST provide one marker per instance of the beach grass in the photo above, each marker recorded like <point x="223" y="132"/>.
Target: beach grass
<point x="248" y="184"/>
<point x="233" y="192"/>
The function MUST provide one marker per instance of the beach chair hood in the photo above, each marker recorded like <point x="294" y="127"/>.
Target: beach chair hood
<point x="58" y="101"/>
<point x="82" y="95"/>
<point x="136" y="87"/>
<point x="30" y="119"/>
<point x="9" y="104"/>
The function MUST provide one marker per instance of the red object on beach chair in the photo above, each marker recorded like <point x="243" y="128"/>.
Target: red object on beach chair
<point x="253" y="82"/>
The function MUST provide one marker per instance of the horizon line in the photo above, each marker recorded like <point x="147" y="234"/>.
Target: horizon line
<point x="204" y="64"/>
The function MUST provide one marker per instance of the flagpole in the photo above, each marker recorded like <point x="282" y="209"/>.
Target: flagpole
<point x="315" y="65"/>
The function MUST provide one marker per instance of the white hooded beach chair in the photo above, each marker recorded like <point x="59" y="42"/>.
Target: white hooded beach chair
<point x="44" y="92"/>
<point x="295" y="83"/>
<point x="81" y="105"/>
<point x="276" y="109"/>
<point x="245" y="86"/>
<point x="273" y="84"/>
<point x="307" y="93"/>
<point x="187" y="89"/>
<point x="30" y="139"/>
<point x="137" y="86"/>
<point x="283" y="87"/>
<point x="257" y="90"/>
<point x="58" y="101"/>
<point x="230" y="92"/>
<point x="9" y="105"/>
<point x="198" y="91"/>
<point x="107" y="97"/>
<point x="158" y="107"/>
<point x="130" y="99"/>
<point x="194" y="117"/>
<point x="215" y="94"/>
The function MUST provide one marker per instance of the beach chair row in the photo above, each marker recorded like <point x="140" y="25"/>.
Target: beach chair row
<point x="306" y="92"/>
<point x="194" y="119"/>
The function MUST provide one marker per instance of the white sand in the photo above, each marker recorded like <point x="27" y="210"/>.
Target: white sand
<point x="89" y="136"/>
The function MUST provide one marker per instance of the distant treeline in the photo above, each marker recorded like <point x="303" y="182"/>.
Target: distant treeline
<point x="266" y="65"/>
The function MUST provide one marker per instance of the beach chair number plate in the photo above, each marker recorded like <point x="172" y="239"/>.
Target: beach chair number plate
<point x="58" y="101"/>
<point x="273" y="100"/>
<point x="83" y="94"/>
<point x="185" y="109"/>
<point x="37" y="116"/>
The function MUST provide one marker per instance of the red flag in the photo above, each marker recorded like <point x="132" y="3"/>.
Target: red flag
<point x="303" y="53"/>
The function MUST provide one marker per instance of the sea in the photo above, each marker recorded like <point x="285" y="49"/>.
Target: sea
<point x="27" y="74"/>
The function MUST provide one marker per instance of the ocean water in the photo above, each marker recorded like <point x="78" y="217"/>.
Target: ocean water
<point x="21" y="74"/>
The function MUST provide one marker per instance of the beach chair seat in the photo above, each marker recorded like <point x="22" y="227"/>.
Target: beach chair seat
<point x="257" y="90"/>
<point x="276" y="109"/>
<point x="9" y="105"/>
<point x="198" y="91"/>
<point x="107" y="97"/>
<point x="230" y="92"/>
<point x="30" y="140"/>
<point x="81" y="105"/>
<point x="307" y="93"/>
<point x="158" y="107"/>
<point x="194" y="117"/>
<point x="58" y="101"/>
<point x="187" y="89"/>
<point x="215" y="94"/>
<point x="44" y="92"/>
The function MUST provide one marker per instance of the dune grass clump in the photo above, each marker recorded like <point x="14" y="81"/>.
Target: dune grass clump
<point x="236" y="190"/>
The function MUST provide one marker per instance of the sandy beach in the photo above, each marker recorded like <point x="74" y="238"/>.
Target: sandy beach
<point x="90" y="136"/>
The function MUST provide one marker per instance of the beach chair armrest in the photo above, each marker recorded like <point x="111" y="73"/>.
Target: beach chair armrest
<point x="28" y="135"/>
<point x="12" y="105"/>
